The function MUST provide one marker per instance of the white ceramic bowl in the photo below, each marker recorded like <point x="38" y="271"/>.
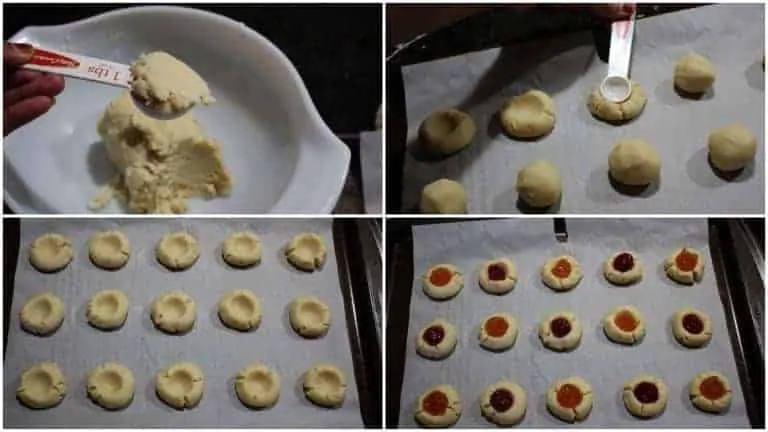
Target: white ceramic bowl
<point x="283" y="157"/>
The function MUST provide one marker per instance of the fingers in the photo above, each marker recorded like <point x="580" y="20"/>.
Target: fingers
<point x="46" y="85"/>
<point x="21" y="77"/>
<point x="15" y="55"/>
<point x="19" y="114"/>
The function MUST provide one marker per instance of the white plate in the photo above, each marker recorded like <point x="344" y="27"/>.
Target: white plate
<point x="283" y="157"/>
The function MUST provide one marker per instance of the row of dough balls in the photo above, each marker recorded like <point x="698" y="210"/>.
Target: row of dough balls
<point x="562" y="273"/>
<point x="174" y="312"/>
<point x="505" y="402"/>
<point x="110" y="250"/>
<point x="112" y="385"/>
<point x="562" y="331"/>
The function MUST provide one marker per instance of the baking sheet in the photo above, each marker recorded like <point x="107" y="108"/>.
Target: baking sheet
<point x="567" y="68"/>
<point x="219" y="351"/>
<point x="607" y="366"/>
<point x="370" y="166"/>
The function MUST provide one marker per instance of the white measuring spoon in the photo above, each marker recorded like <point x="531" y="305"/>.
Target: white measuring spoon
<point x="616" y="86"/>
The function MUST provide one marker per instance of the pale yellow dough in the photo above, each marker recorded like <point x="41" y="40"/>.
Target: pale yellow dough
<point x="174" y="312"/>
<point x="443" y="196"/>
<point x="603" y="109"/>
<point x="240" y="309"/>
<point x="446" y="291"/>
<point x="511" y="416"/>
<point x="111" y="386"/>
<point x="242" y="249"/>
<point x="694" y="73"/>
<point x="539" y="184"/>
<point x="257" y="386"/>
<point x="107" y="309"/>
<point x="703" y="403"/>
<point x="571" y="415"/>
<point x="109" y="250"/>
<point x="309" y="317"/>
<point x="325" y="385"/>
<point x="181" y="385"/>
<point x="451" y="414"/>
<point x="446" y="131"/>
<point x="42" y="386"/>
<point x="306" y="251"/>
<point x="167" y="84"/>
<point x="731" y="147"/>
<point x="529" y="115"/>
<point x="177" y="251"/>
<point x="634" y="162"/>
<point x="42" y="314"/>
<point x="50" y="252"/>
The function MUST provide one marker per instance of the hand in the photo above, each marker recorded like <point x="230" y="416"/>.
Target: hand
<point x="613" y="11"/>
<point x="26" y="94"/>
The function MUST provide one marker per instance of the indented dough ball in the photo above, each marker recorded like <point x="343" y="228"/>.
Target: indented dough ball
<point x="50" y="252"/>
<point x="694" y="74"/>
<point x="42" y="314"/>
<point x="634" y="162"/>
<point x="446" y="131"/>
<point x="609" y="111"/>
<point x="111" y="386"/>
<point x="42" y="386"/>
<point x="258" y="386"/>
<point x="444" y="196"/>
<point x="529" y="115"/>
<point x="325" y="385"/>
<point x="181" y="385"/>
<point x="109" y="250"/>
<point x="539" y="184"/>
<point x="731" y="147"/>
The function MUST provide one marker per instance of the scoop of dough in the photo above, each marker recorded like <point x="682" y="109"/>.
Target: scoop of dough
<point x="109" y="250"/>
<point x="529" y="115"/>
<point x="181" y="385"/>
<point x="446" y="131"/>
<point x="167" y="84"/>
<point x="634" y="162"/>
<point x="609" y="111"/>
<point x="107" y="309"/>
<point x="539" y="184"/>
<point x="42" y="386"/>
<point x="111" y="386"/>
<point x="731" y="147"/>
<point x="242" y="249"/>
<point x="325" y="385"/>
<point x="50" y="252"/>
<point x="42" y="314"/>
<point x="694" y="74"/>
<point x="444" y="196"/>
<point x="306" y="252"/>
<point x="257" y="386"/>
<point x="177" y="251"/>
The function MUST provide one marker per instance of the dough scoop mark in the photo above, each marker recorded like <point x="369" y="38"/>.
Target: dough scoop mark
<point x="440" y="276"/>
<point x="434" y="335"/>
<point x="646" y="392"/>
<point x="569" y="396"/>
<point x="686" y="261"/>
<point x="623" y="262"/>
<point x="560" y="327"/>
<point x="502" y="400"/>
<point x="693" y="324"/>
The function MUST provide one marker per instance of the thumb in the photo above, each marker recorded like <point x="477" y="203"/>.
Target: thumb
<point x="15" y="54"/>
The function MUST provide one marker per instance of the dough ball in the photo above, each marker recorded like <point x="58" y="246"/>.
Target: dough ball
<point x="436" y="340"/>
<point x="177" y="251"/>
<point x="42" y="386"/>
<point x="242" y="249"/>
<point x="442" y="282"/>
<point x="624" y="325"/>
<point x="109" y="250"/>
<point x="504" y="403"/>
<point x="498" y="276"/>
<point x="107" y="309"/>
<point x="694" y="74"/>
<point x="529" y="115"/>
<point x="692" y="327"/>
<point x="174" y="312"/>
<point x="310" y="317"/>
<point x="604" y="109"/>
<point x="181" y="385"/>
<point x="711" y="392"/>
<point x="446" y="131"/>
<point x="50" y="253"/>
<point x="439" y="406"/>
<point x="634" y="162"/>
<point x="623" y="268"/>
<point x="561" y="273"/>
<point x="539" y="184"/>
<point x="258" y="386"/>
<point x="498" y="332"/>
<point x="111" y="386"/>
<point x="306" y="252"/>
<point x="167" y="84"/>
<point x="42" y="314"/>
<point x="645" y="396"/>
<point x="560" y="331"/>
<point x="570" y="399"/>
<point x="685" y="266"/>
<point x="240" y="309"/>
<point x="444" y="196"/>
<point x="731" y="147"/>
<point x="325" y="385"/>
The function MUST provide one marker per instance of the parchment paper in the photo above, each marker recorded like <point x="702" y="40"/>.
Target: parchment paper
<point x="607" y="366"/>
<point x="568" y="69"/>
<point x="219" y="351"/>
<point x="370" y="166"/>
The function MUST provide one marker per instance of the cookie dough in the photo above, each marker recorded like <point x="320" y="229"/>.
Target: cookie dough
<point x="107" y="309"/>
<point x="166" y="84"/>
<point x="645" y="396"/>
<point x="685" y="265"/>
<point x="240" y="309"/>
<point x="443" y="196"/>
<point x="613" y="112"/>
<point x="504" y="403"/>
<point x="560" y="331"/>
<point x="561" y="273"/>
<point x="436" y="340"/>
<point x="50" y="253"/>
<point x="310" y="317"/>
<point x="42" y="386"/>
<point x="181" y="385"/>
<point x="634" y="162"/>
<point x="439" y="406"/>
<point x="570" y="399"/>
<point x="442" y="282"/>
<point x="731" y="147"/>
<point x="111" y="386"/>
<point x="177" y="251"/>
<point x="258" y="386"/>
<point x="711" y="392"/>
<point x="539" y="184"/>
<point x="692" y="327"/>
<point x="242" y="249"/>
<point x="694" y="74"/>
<point x="498" y="276"/>
<point x="498" y="332"/>
<point x="42" y="314"/>
<point x="623" y="268"/>
<point x="325" y="385"/>
<point x="109" y="250"/>
<point x="624" y="325"/>
<point x="446" y="131"/>
<point x="529" y="115"/>
<point x="306" y="252"/>
<point x="174" y="312"/>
